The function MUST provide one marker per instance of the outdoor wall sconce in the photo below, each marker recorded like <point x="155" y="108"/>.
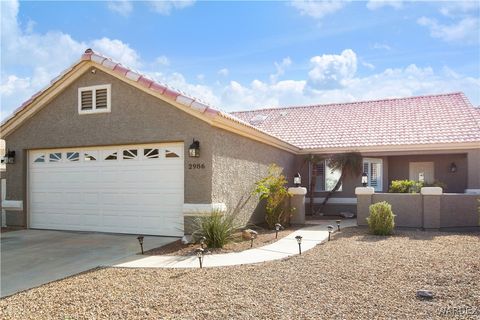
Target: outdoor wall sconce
<point x="194" y="149"/>
<point x="297" y="180"/>
<point x="9" y="157"/>
<point x="200" y="253"/>
<point x="140" y="241"/>
<point x="202" y="242"/>
<point x="338" y="224"/>
<point x="453" y="167"/>
<point x="330" y="230"/>
<point x="299" y="241"/>
<point x="278" y="226"/>
<point x="253" y="235"/>
<point x="364" y="179"/>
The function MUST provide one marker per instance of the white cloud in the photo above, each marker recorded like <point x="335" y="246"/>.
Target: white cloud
<point x="280" y="68"/>
<point x="162" y="61"/>
<point x="465" y="30"/>
<point x="13" y="85"/>
<point x="332" y="70"/>
<point x="223" y="72"/>
<point x="368" y="65"/>
<point x="122" y="7"/>
<point x="166" y="7"/>
<point x="317" y="9"/>
<point x="376" y="4"/>
<point x="381" y="46"/>
<point x="117" y="50"/>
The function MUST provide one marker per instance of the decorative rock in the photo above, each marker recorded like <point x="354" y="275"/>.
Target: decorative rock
<point x="247" y="234"/>
<point x="424" y="294"/>
<point x="187" y="239"/>
<point x="347" y="214"/>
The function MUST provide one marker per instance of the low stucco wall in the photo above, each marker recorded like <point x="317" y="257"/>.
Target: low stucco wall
<point x="405" y="206"/>
<point x="459" y="210"/>
<point x="424" y="211"/>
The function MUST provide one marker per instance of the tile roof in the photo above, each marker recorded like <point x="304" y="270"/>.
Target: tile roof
<point x="443" y="118"/>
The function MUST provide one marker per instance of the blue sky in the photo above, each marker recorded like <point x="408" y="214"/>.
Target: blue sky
<point x="244" y="55"/>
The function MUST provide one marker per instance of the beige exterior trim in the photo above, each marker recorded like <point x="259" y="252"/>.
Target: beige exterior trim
<point x="44" y="98"/>
<point x="399" y="148"/>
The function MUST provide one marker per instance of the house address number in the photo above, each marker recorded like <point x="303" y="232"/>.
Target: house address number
<point x="193" y="166"/>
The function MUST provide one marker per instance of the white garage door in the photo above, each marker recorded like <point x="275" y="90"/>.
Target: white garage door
<point x="126" y="189"/>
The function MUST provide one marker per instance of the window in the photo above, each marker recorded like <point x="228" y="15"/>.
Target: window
<point x="111" y="156"/>
<point x="129" y="154"/>
<point x="151" y="153"/>
<point x="95" y="99"/>
<point x="171" y="154"/>
<point x="326" y="177"/>
<point x="73" y="156"/>
<point x="55" y="157"/>
<point x="373" y="168"/>
<point x="90" y="156"/>
<point x="39" y="158"/>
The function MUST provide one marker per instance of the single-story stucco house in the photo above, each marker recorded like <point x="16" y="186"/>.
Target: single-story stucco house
<point x="104" y="148"/>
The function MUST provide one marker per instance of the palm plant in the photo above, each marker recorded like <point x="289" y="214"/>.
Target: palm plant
<point x="350" y="164"/>
<point x="313" y="161"/>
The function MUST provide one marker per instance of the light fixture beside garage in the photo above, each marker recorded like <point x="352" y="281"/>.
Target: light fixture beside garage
<point x="453" y="167"/>
<point x="194" y="149"/>
<point x="9" y="157"/>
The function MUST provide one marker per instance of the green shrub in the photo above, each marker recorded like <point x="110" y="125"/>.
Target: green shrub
<point x="217" y="227"/>
<point x="273" y="189"/>
<point x="381" y="220"/>
<point x="405" y="186"/>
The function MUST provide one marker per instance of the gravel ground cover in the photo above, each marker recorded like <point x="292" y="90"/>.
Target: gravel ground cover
<point x="265" y="237"/>
<point x="354" y="276"/>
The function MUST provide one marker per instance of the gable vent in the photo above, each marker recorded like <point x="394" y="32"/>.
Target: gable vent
<point x="94" y="99"/>
<point x="101" y="98"/>
<point x="87" y="100"/>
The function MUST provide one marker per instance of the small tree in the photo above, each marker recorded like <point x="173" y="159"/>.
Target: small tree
<point x="273" y="189"/>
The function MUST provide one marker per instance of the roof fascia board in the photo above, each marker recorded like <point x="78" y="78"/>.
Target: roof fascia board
<point x="45" y="97"/>
<point x="399" y="148"/>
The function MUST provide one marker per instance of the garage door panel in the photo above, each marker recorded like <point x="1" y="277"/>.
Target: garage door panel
<point x="139" y="195"/>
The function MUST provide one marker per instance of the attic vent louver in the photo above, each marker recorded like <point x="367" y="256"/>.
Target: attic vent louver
<point x="258" y="119"/>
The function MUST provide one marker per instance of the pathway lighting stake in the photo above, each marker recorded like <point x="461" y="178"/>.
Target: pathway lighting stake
<point x="200" y="253"/>
<point x="202" y="242"/>
<point x="253" y="235"/>
<point x="330" y="229"/>
<point x="140" y="241"/>
<point x="299" y="241"/>
<point x="278" y="226"/>
<point x="338" y="224"/>
<point x="364" y="179"/>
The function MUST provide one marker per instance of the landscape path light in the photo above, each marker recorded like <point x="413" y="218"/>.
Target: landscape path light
<point x="299" y="241"/>
<point x="200" y="253"/>
<point x="202" y="242"/>
<point x="338" y="224"/>
<point x="330" y="230"/>
<point x="140" y="241"/>
<point x="297" y="180"/>
<point x="253" y="235"/>
<point x="278" y="227"/>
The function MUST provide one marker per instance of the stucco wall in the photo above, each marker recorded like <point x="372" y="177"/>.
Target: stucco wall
<point x="456" y="182"/>
<point x="459" y="210"/>
<point x="406" y="207"/>
<point x="239" y="162"/>
<point x="136" y="117"/>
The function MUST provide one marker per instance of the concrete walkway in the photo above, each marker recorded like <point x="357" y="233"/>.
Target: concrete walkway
<point x="283" y="248"/>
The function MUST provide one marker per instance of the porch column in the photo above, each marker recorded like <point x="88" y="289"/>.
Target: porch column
<point x="364" y="200"/>
<point x="473" y="160"/>
<point x="297" y="201"/>
<point x="431" y="207"/>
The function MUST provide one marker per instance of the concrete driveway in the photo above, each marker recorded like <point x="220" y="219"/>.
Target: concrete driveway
<point x="30" y="258"/>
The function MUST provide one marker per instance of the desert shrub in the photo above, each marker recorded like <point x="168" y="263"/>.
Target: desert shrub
<point x="381" y="220"/>
<point x="273" y="189"/>
<point x="217" y="227"/>
<point x="405" y="186"/>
